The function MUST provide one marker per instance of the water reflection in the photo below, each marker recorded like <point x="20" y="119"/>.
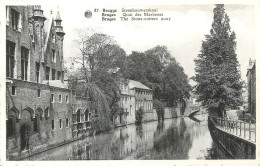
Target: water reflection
<point x="180" y="138"/>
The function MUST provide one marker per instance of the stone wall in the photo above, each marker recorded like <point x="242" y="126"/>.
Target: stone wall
<point x="236" y="147"/>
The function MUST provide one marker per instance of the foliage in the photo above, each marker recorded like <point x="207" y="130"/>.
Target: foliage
<point x="159" y="109"/>
<point x="157" y="69"/>
<point x="99" y="58"/>
<point x="139" y="115"/>
<point x="101" y="122"/>
<point x="217" y="69"/>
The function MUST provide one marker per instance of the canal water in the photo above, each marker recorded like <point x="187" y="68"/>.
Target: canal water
<point x="178" y="138"/>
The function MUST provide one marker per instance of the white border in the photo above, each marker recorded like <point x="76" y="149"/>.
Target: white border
<point x="116" y="162"/>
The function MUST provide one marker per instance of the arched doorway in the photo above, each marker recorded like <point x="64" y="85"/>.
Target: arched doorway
<point x="25" y="135"/>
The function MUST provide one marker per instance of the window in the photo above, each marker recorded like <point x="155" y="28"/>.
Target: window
<point x="47" y="73"/>
<point x="125" y="98"/>
<point x="10" y="50"/>
<point x="60" y="98"/>
<point x="52" y="98"/>
<point x="36" y="124"/>
<point x="53" y="72"/>
<point x="59" y="75"/>
<point x="38" y="93"/>
<point x="13" y="90"/>
<point x="52" y="124"/>
<point x="67" y="122"/>
<point x="46" y="113"/>
<point x="130" y="109"/>
<point x="67" y="99"/>
<point x="53" y="38"/>
<point x="14" y="19"/>
<point x="37" y="72"/>
<point x="10" y="127"/>
<point x="86" y="115"/>
<point x="60" y="123"/>
<point x="78" y="116"/>
<point x="53" y="55"/>
<point x="24" y="62"/>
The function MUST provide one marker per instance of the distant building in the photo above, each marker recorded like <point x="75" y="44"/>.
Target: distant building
<point x="133" y="96"/>
<point x="143" y="98"/>
<point x="39" y="106"/>
<point x="251" y="82"/>
<point x="127" y="103"/>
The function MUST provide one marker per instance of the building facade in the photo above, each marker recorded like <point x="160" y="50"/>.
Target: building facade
<point x="135" y="95"/>
<point x="143" y="99"/>
<point x="251" y="82"/>
<point x="39" y="106"/>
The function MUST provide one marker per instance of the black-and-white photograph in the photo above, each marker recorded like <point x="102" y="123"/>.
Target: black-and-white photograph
<point x="130" y="82"/>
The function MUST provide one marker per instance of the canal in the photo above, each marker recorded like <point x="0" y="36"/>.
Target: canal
<point x="178" y="138"/>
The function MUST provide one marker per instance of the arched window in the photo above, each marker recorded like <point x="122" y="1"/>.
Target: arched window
<point x="87" y="115"/>
<point x="78" y="116"/>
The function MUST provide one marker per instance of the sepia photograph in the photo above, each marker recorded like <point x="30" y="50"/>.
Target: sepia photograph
<point x="129" y="82"/>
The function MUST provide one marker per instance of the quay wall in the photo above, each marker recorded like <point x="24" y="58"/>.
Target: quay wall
<point x="236" y="147"/>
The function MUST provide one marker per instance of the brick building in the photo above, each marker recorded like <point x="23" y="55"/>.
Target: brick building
<point x="39" y="106"/>
<point x="251" y="82"/>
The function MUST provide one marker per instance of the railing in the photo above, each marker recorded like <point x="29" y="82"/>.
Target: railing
<point x="242" y="129"/>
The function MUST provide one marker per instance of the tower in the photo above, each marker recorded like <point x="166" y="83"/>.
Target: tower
<point x="39" y="19"/>
<point x="60" y="36"/>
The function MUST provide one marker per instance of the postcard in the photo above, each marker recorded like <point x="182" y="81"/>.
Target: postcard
<point x="158" y="83"/>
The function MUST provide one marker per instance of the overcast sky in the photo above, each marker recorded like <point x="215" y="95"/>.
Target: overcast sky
<point x="182" y="35"/>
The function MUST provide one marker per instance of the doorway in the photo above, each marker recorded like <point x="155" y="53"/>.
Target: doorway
<point x="25" y="135"/>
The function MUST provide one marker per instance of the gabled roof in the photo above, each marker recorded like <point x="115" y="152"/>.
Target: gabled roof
<point x="135" y="84"/>
<point x="47" y="27"/>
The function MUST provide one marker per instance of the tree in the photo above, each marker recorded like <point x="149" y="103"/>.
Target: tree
<point x="139" y="115"/>
<point x="160" y="72"/>
<point x="217" y="70"/>
<point x="99" y="58"/>
<point x="159" y="109"/>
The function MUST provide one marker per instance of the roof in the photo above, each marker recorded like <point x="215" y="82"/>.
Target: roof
<point x="135" y="84"/>
<point x="55" y="83"/>
<point x="47" y="27"/>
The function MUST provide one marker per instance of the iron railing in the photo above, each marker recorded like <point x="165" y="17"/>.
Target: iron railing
<point x="242" y="129"/>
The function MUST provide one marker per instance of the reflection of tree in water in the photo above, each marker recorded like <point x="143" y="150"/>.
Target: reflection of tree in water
<point x="159" y="129"/>
<point x="217" y="152"/>
<point x="139" y="130"/>
<point x="77" y="151"/>
<point x="172" y="143"/>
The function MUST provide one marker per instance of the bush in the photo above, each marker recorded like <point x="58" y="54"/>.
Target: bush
<point x="139" y="115"/>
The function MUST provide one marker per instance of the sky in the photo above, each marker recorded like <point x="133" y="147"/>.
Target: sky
<point x="183" y="34"/>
